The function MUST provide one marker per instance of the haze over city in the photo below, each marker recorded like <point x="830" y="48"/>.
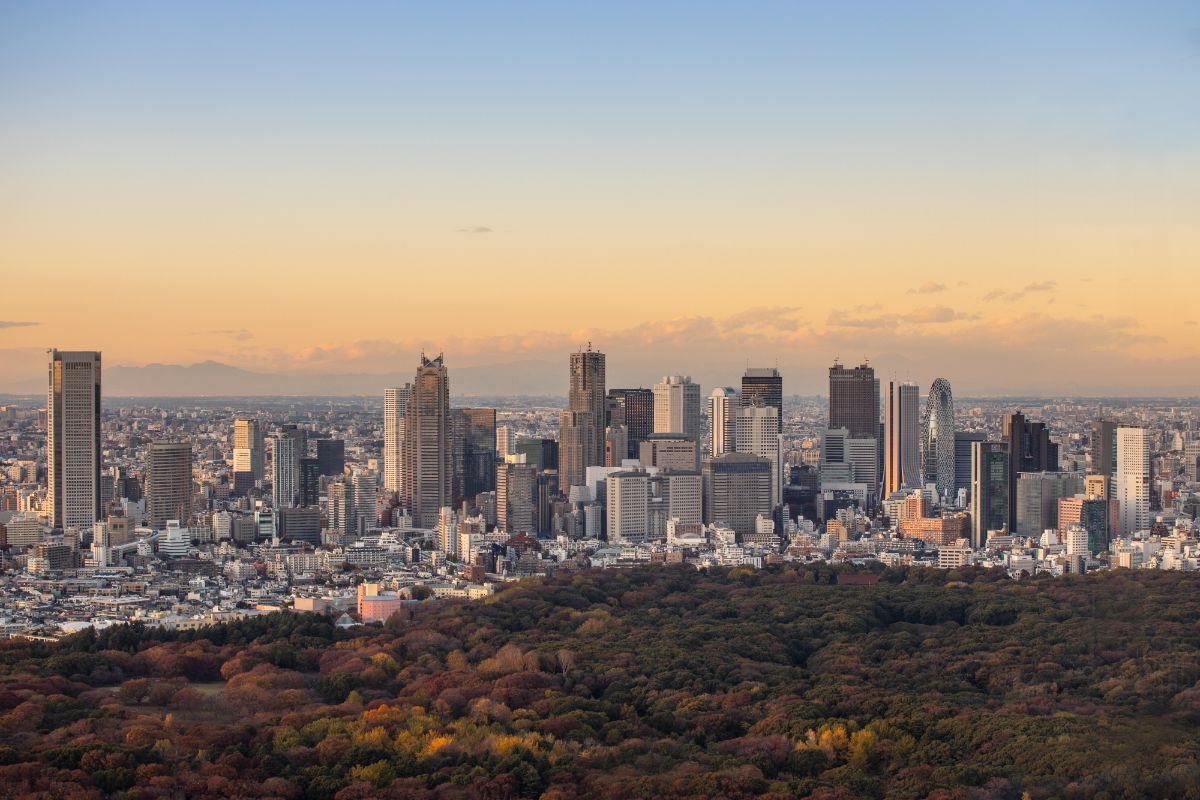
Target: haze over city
<point x="1007" y="194"/>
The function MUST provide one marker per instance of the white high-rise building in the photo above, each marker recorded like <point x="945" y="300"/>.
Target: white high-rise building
<point x="628" y="507"/>
<point x="448" y="531"/>
<point x="73" y="439"/>
<point x="723" y="405"/>
<point x="677" y="406"/>
<point x="395" y="406"/>
<point x="758" y="434"/>
<point x="1133" y="479"/>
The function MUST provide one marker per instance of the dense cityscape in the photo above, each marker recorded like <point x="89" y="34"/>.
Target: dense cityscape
<point x="181" y="513"/>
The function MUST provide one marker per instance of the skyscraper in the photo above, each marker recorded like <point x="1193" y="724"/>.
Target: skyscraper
<point x="427" y="434"/>
<point x="288" y="447"/>
<point x="902" y="443"/>
<point x="937" y="440"/>
<point x="1133" y="479"/>
<point x="475" y="451"/>
<point x="1038" y="494"/>
<point x="962" y="458"/>
<point x="1029" y="450"/>
<point x="677" y="406"/>
<point x="248" y="448"/>
<point x="395" y="408"/>
<point x="989" y="490"/>
<point x="361" y="505"/>
<point x="633" y="408"/>
<point x="627" y="498"/>
<point x="854" y="401"/>
<point x="723" y="406"/>
<point x="309" y="495"/>
<point x="516" y="495"/>
<point x="758" y="433"/>
<point x="587" y="393"/>
<point x="168" y="483"/>
<point x="763" y="386"/>
<point x="73" y="439"/>
<point x="1104" y="448"/>
<point x="737" y="488"/>
<point x="574" y="435"/>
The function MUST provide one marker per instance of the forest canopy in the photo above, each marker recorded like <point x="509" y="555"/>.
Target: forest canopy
<point x="646" y="683"/>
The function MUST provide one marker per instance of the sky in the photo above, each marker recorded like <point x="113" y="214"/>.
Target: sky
<point x="1004" y="194"/>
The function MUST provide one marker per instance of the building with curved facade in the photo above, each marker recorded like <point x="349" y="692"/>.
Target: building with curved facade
<point x="937" y="442"/>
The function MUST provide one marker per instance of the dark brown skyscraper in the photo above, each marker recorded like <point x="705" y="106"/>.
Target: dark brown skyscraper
<point x="633" y="408"/>
<point x="1029" y="450"/>
<point x="854" y="401"/>
<point x="763" y="386"/>
<point x="427" y="432"/>
<point x="586" y="393"/>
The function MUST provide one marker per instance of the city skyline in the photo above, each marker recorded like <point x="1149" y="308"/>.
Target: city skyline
<point x="1038" y="162"/>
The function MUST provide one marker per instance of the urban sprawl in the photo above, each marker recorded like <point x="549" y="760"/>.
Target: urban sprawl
<point x="182" y="513"/>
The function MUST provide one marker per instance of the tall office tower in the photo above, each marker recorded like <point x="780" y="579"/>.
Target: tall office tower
<point x="331" y="455"/>
<point x="989" y="490"/>
<point x="682" y="493"/>
<point x="448" y="531"/>
<point x="309" y="495"/>
<point x="1133" y="479"/>
<point x="1029" y="450"/>
<point x="677" y="406"/>
<point x="633" y="408"/>
<point x="574" y="438"/>
<point x="516" y="497"/>
<point x="763" y="386"/>
<point x="723" y="405"/>
<point x="628" y="506"/>
<point x="475" y="450"/>
<point x="669" y="451"/>
<point x="1104" y="448"/>
<point x="248" y="448"/>
<point x="547" y="490"/>
<point x="962" y="458"/>
<point x="395" y="407"/>
<point x="737" y="488"/>
<point x="361" y="505"/>
<point x="506" y="441"/>
<point x="168" y="483"/>
<point x="427" y="434"/>
<point x="937" y="440"/>
<point x="288" y="446"/>
<point x="902" y="438"/>
<point x="616" y="445"/>
<point x="854" y="401"/>
<point x="587" y="393"/>
<point x="73" y="439"/>
<point x="758" y="433"/>
<point x="1097" y="486"/>
<point x="1038" y="494"/>
<point x="337" y="506"/>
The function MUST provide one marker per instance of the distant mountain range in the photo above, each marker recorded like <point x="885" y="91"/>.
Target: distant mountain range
<point x="213" y="378"/>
